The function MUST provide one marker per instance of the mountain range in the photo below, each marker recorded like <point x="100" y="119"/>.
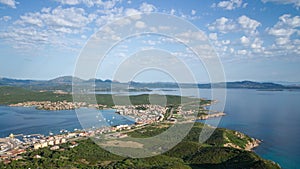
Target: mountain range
<point x="65" y="83"/>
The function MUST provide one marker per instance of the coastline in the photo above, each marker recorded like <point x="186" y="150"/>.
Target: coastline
<point x="63" y="105"/>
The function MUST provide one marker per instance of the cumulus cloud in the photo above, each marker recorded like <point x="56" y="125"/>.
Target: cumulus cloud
<point x="10" y="3"/>
<point x="132" y="11"/>
<point x="193" y="12"/>
<point x="172" y="12"/>
<point x="190" y="36"/>
<point x="69" y="2"/>
<point x="140" y="25"/>
<point x="90" y="3"/>
<point x="223" y="25"/>
<point x="285" y="28"/>
<point x="282" y="41"/>
<point x="243" y="23"/>
<point x="242" y="52"/>
<point x="257" y="44"/>
<point x="296" y="3"/>
<point x="229" y="5"/>
<point x="49" y="26"/>
<point x="5" y="18"/>
<point x="286" y="33"/>
<point x="58" y="19"/>
<point x="145" y="7"/>
<point x="248" y="24"/>
<point x="244" y="40"/>
<point x="213" y="36"/>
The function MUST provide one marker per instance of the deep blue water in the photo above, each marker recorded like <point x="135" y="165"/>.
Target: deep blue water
<point x="28" y="120"/>
<point x="273" y="116"/>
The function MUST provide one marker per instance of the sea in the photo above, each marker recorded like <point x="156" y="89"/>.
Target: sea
<point x="271" y="116"/>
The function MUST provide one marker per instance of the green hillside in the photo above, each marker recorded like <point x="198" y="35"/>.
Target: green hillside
<point x="187" y="154"/>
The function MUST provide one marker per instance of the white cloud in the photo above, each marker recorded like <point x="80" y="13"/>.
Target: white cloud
<point x="248" y="24"/>
<point x="245" y="5"/>
<point x="69" y="2"/>
<point x="285" y="28"/>
<point x="90" y="3"/>
<point x="49" y="27"/>
<point x="140" y="25"/>
<point x="26" y="35"/>
<point x="244" y="40"/>
<point x="10" y="3"/>
<point x="257" y="43"/>
<point x="229" y="5"/>
<point x="223" y="25"/>
<point x="145" y="7"/>
<point x="242" y="52"/>
<point x="172" y="12"/>
<point x="122" y="22"/>
<point x="213" y="36"/>
<point x="243" y="23"/>
<point x="105" y="16"/>
<point x="132" y="12"/>
<point x="296" y="3"/>
<point x="193" y="12"/>
<point x="58" y="19"/>
<point x="282" y="41"/>
<point x="190" y="36"/>
<point x="5" y="18"/>
<point x="281" y="31"/>
<point x="151" y="42"/>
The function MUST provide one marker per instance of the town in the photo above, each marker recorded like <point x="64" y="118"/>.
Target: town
<point x="13" y="146"/>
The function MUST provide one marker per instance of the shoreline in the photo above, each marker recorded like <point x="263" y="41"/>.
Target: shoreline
<point x="58" y="105"/>
<point x="88" y="132"/>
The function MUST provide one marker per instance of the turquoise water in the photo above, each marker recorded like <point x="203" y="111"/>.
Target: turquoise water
<point x="272" y="116"/>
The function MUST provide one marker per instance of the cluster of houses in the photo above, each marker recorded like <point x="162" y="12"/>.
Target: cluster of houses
<point x="10" y="149"/>
<point x="143" y="114"/>
<point x="59" y="105"/>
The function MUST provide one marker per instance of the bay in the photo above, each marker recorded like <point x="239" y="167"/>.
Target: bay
<point x="28" y="120"/>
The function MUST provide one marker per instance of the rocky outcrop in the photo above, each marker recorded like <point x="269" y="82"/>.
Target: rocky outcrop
<point x="213" y="115"/>
<point x="252" y="144"/>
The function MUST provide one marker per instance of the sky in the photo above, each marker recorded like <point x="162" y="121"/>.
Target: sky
<point x="255" y="40"/>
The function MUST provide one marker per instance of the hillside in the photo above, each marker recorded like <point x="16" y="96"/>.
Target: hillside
<point x="12" y="95"/>
<point x="186" y="155"/>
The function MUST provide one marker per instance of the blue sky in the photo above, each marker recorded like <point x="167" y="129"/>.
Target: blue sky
<point x="256" y="40"/>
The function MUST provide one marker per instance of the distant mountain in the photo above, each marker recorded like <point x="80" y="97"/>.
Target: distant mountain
<point x="66" y="80"/>
<point x="17" y="82"/>
<point x="65" y="83"/>
<point x="251" y="85"/>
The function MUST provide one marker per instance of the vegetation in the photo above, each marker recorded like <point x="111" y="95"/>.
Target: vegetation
<point x="10" y="95"/>
<point x="187" y="154"/>
<point x="148" y="131"/>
